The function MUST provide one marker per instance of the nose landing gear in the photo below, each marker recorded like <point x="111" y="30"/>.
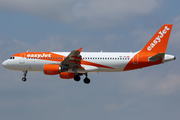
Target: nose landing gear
<point x="24" y="78"/>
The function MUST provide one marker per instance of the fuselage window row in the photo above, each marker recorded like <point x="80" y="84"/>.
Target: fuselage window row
<point x="88" y="58"/>
<point x="102" y="58"/>
<point x="44" y="58"/>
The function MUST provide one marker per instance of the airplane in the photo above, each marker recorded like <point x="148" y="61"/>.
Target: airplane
<point x="72" y="65"/>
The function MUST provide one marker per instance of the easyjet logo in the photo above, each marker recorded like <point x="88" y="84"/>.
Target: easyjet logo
<point x="158" y="38"/>
<point x="39" y="55"/>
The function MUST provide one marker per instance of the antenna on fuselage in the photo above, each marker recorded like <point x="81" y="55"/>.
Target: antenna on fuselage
<point x="27" y="51"/>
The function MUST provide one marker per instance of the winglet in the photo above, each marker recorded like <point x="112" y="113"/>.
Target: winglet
<point x="80" y="49"/>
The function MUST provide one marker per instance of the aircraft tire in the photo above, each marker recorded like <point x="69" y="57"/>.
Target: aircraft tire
<point x="86" y="80"/>
<point x="77" y="78"/>
<point x="24" y="79"/>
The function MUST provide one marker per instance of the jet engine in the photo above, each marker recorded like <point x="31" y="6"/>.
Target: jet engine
<point x="52" y="69"/>
<point x="66" y="75"/>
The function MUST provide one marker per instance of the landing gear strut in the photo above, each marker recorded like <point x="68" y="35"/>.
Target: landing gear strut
<point x="24" y="78"/>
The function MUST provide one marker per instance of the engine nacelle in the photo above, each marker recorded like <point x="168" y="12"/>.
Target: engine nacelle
<point x="66" y="75"/>
<point x="52" y="69"/>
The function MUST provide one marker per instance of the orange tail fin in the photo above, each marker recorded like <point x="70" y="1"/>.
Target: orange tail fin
<point x="159" y="41"/>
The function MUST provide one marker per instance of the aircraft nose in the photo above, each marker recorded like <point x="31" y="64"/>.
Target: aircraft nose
<point x="4" y="64"/>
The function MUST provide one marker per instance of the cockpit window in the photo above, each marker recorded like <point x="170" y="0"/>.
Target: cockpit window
<point x="12" y="57"/>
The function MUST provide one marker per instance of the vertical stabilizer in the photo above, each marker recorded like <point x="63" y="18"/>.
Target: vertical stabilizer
<point x="159" y="41"/>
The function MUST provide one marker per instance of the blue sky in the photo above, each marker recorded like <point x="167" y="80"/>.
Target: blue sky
<point x="108" y="25"/>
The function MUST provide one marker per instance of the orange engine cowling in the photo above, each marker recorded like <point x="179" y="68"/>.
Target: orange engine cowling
<point x="51" y="69"/>
<point x="66" y="75"/>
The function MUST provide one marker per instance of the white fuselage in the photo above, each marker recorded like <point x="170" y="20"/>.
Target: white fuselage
<point x="116" y="60"/>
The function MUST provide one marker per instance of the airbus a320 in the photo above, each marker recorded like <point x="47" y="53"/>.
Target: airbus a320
<point x="72" y="65"/>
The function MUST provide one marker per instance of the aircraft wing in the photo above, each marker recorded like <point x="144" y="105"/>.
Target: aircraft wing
<point x="72" y="60"/>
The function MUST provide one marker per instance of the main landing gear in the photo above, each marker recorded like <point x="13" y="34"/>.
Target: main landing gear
<point x="77" y="78"/>
<point x="86" y="79"/>
<point x="24" y="78"/>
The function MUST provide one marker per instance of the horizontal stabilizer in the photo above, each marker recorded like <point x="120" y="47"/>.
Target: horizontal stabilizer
<point x="156" y="57"/>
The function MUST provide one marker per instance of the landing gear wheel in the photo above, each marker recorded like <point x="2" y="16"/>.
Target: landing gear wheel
<point x="24" y="79"/>
<point x="77" y="78"/>
<point x="86" y="80"/>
